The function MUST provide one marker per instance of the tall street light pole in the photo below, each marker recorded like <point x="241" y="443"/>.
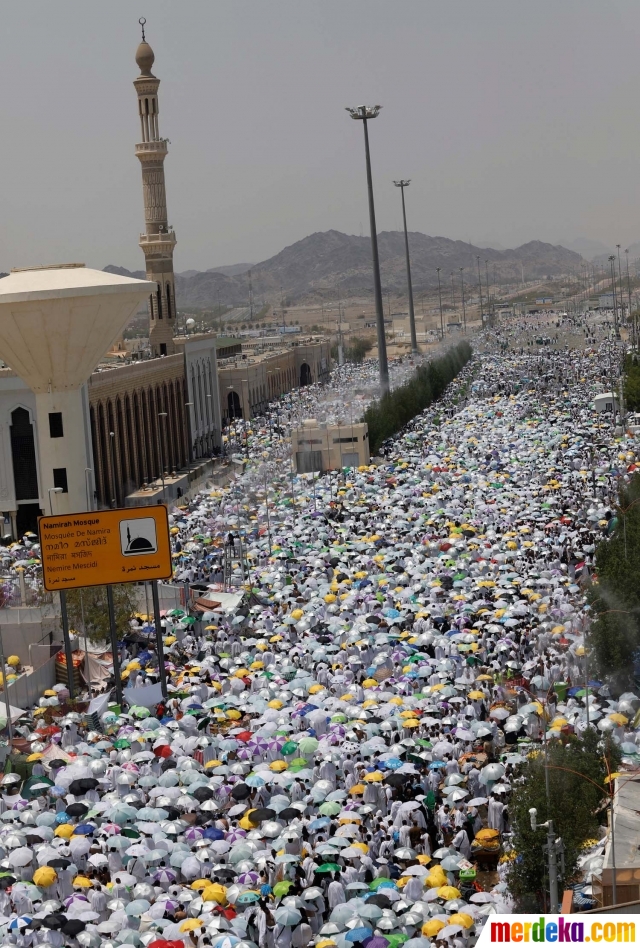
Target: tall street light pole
<point x="480" y="290"/>
<point x="412" y="319"/>
<point x="621" y="289"/>
<point x="363" y="113"/>
<point x="612" y="264"/>
<point x="440" y="297"/>
<point x="464" y="311"/>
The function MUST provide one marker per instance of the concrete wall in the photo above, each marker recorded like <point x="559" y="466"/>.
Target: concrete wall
<point x="22" y="627"/>
<point x="28" y="689"/>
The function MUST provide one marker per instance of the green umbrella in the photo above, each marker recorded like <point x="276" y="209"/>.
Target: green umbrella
<point x="289" y="748"/>
<point x="328" y="867"/>
<point x="375" y="885"/>
<point x="396" y="939"/>
<point x="339" y="718"/>
<point x="121" y="744"/>
<point x="246" y="898"/>
<point x="298" y="761"/>
<point x="329" y="809"/>
<point x="281" y="888"/>
<point x="308" y="745"/>
<point x="139" y="712"/>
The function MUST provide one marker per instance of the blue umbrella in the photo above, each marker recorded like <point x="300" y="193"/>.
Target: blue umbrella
<point x="359" y="934"/>
<point x="393" y="763"/>
<point x="84" y="829"/>
<point x="62" y="816"/>
<point x="212" y="833"/>
<point x="320" y="823"/>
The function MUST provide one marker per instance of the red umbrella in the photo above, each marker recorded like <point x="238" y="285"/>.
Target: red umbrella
<point x="244" y="736"/>
<point x="163" y="751"/>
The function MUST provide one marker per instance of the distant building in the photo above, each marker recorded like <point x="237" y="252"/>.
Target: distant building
<point x="322" y="447"/>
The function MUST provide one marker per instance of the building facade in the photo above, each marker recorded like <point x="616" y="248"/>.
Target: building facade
<point x="323" y="447"/>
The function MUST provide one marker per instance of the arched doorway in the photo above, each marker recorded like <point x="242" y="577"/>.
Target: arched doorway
<point x="305" y="374"/>
<point x="233" y="403"/>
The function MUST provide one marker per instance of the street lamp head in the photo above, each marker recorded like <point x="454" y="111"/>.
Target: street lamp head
<point x="403" y="183"/>
<point x="438" y="269"/>
<point x="364" y="111"/>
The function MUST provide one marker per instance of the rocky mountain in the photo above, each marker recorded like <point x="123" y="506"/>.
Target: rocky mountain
<point x="331" y="264"/>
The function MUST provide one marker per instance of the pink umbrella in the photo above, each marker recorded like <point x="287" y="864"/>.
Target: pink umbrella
<point x="111" y="829"/>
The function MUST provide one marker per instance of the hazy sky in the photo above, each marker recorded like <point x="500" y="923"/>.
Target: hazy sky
<point x="514" y="120"/>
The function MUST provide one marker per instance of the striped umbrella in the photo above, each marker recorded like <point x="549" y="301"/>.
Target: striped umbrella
<point x="193" y="834"/>
<point x="164" y="876"/>
<point x="258" y="744"/>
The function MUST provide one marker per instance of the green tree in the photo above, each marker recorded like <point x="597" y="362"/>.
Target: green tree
<point x="91" y="601"/>
<point x="615" y="594"/>
<point x="577" y="791"/>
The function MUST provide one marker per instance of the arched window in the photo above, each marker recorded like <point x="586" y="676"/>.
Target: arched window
<point x="159" y="302"/>
<point x="168" y="301"/>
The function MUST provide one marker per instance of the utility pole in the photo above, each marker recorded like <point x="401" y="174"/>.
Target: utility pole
<point x="621" y="290"/>
<point x="464" y="311"/>
<point x="250" y="298"/>
<point x="453" y="292"/>
<point x="633" y="321"/>
<point x="612" y="260"/>
<point x="364" y="113"/>
<point x="553" y="848"/>
<point x="412" y="319"/>
<point x="440" y="297"/>
<point x="480" y="290"/>
<point x="486" y="271"/>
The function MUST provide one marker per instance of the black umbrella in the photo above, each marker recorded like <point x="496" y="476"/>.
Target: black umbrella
<point x="382" y="901"/>
<point x="169" y="763"/>
<point x="201" y="794"/>
<point x="55" y="920"/>
<point x="33" y="840"/>
<point x="59" y="862"/>
<point x="78" y="787"/>
<point x="57" y="763"/>
<point x="241" y="792"/>
<point x="395" y="780"/>
<point x="261" y="814"/>
<point x="290" y="813"/>
<point x="77" y="809"/>
<point x="73" y="927"/>
<point x="172" y="812"/>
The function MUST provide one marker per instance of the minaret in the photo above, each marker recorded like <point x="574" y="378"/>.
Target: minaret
<point x="159" y="239"/>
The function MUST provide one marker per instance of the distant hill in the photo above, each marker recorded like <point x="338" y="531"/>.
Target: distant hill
<point x="332" y="263"/>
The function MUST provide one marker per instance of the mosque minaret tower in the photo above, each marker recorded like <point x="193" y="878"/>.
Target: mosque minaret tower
<point x="159" y="238"/>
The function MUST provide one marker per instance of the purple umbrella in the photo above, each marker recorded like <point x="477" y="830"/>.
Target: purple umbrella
<point x="235" y="835"/>
<point x="164" y="875"/>
<point x="248" y="878"/>
<point x="193" y="834"/>
<point x="258" y="744"/>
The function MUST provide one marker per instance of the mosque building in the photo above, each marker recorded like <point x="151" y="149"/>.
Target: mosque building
<point x="156" y="423"/>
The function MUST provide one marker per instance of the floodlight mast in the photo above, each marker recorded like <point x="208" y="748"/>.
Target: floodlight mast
<point x="363" y="113"/>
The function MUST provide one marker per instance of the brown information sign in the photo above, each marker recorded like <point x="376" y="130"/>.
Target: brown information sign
<point x="102" y="547"/>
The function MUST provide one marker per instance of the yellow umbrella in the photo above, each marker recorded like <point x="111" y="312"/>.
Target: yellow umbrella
<point x="65" y="831"/>
<point x="32" y="757"/>
<point x="448" y="892"/>
<point x="357" y="790"/>
<point x="362" y="846"/>
<point x="82" y="882"/>
<point x="190" y="925"/>
<point x="618" y="718"/>
<point x="397" y="699"/>
<point x="246" y="823"/>
<point x="432" y="927"/>
<point x="215" y="893"/>
<point x="212" y="763"/>
<point x="13" y="660"/>
<point x="375" y="777"/>
<point x="45" y="876"/>
<point x="200" y="884"/>
<point x="297" y="614"/>
<point x="461" y="918"/>
<point x="411" y="722"/>
<point x="314" y="689"/>
<point x="423" y="860"/>
<point x="275" y="704"/>
<point x="325" y="943"/>
<point x="278" y="766"/>
<point x="233" y="715"/>
<point x="476" y="695"/>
